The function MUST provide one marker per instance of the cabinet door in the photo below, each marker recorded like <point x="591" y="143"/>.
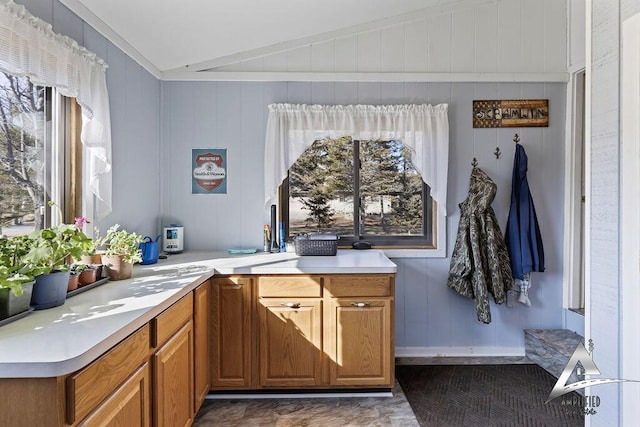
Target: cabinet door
<point x="231" y="333"/>
<point x="173" y="367"/>
<point x="290" y="342"/>
<point x="129" y="405"/>
<point x="201" y="316"/>
<point x="359" y="342"/>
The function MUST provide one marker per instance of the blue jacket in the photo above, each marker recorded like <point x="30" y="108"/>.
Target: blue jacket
<point x="524" y="241"/>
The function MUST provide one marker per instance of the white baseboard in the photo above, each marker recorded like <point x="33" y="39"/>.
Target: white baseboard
<point x="458" y="351"/>
<point x="318" y="395"/>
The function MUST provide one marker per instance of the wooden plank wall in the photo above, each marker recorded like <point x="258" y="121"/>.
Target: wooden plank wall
<point x="429" y="318"/>
<point x="503" y="36"/>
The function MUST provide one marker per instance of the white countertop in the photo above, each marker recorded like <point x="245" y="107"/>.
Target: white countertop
<point x="63" y="339"/>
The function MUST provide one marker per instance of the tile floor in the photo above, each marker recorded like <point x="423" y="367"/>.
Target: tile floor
<point x="325" y="412"/>
<point x="329" y="412"/>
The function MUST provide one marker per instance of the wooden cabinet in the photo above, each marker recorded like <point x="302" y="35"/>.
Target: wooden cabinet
<point x="173" y="398"/>
<point x="290" y="339"/>
<point x="359" y="330"/>
<point x="232" y="333"/>
<point x="299" y="331"/>
<point x="129" y="405"/>
<point x="358" y="342"/>
<point x="202" y="361"/>
<point x="158" y="375"/>
<point x="87" y="388"/>
<point x="290" y="331"/>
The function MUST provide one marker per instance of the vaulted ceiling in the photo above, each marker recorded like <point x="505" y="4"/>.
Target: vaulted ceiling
<point x="171" y="35"/>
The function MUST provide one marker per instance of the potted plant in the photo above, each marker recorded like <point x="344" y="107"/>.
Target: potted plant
<point x="87" y="273"/>
<point x="47" y="260"/>
<point x="74" y="280"/>
<point x="91" y="255"/>
<point x="16" y="282"/>
<point x="121" y="252"/>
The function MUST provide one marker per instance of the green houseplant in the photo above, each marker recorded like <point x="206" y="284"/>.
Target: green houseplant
<point x="50" y="250"/>
<point x="122" y="251"/>
<point x="16" y="281"/>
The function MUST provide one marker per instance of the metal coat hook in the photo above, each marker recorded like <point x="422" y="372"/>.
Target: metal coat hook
<point x="516" y="138"/>
<point x="497" y="153"/>
<point x="474" y="162"/>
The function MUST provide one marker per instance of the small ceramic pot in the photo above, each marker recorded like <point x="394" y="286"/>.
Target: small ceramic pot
<point x="73" y="282"/>
<point x="88" y="276"/>
<point x="117" y="268"/>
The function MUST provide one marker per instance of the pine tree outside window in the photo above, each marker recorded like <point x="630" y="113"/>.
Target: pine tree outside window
<point x="360" y="190"/>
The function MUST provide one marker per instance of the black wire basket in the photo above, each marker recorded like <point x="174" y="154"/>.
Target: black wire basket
<point x="316" y="245"/>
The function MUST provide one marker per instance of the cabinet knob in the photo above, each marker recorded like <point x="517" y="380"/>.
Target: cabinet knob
<point x="360" y="304"/>
<point x="291" y="304"/>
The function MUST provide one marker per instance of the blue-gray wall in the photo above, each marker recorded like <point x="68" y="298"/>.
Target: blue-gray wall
<point x="134" y="96"/>
<point x="152" y="178"/>
<point x="430" y="319"/>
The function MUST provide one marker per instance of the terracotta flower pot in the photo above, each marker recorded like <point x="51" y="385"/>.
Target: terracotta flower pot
<point x="73" y="282"/>
<point x="117" y="268"/>
<point x="88" y="276"/>
<point x="91" y="259"/>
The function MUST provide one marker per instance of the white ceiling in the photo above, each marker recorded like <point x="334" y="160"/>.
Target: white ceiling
<point x="172" y="34"/>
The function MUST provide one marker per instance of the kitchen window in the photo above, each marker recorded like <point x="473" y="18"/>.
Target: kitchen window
<point x="40" y="156"/>
<point x="360" y="190"/>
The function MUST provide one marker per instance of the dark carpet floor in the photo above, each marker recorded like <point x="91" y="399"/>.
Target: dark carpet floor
<point x="484" y="395"/>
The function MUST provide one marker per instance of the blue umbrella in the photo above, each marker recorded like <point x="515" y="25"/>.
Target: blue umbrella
<point x="524" y="242"/>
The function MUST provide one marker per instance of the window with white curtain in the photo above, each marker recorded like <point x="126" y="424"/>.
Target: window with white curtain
<point x="383" y="145"/>
<point x="30" y="48"/>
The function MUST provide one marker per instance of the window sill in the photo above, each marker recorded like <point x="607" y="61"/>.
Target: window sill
<point x="579" y="311"/>
<point x="414" y="253"/>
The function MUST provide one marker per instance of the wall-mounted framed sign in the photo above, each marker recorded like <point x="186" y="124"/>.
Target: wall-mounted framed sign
<point x="209" y="171"/>
<point x="511" y="113"/>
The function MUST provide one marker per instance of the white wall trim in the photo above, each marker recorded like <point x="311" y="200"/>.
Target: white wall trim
<point x="587" y="177"/>
<point x="572" y="202"/>
<point x="100" y="26"/>
<point x="458" y="351"/>
<point x="260" y="76"/>
<point x="629" y="214"/>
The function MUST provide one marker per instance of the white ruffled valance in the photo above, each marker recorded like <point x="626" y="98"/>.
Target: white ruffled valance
<point x="424" y="129"/>
<point x="29" y="47"/>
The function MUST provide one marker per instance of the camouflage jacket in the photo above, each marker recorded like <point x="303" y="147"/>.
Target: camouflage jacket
<point x="480" y="262"/>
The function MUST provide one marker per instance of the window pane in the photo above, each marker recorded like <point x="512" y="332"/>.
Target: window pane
<point x="321" y="189"/>
<point x="390" y="190"/>
<point x="22" y="154"/>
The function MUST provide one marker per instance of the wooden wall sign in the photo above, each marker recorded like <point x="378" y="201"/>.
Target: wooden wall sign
<point x="511" y="113"/>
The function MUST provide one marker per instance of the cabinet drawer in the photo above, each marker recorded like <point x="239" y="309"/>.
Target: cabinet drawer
<point x="289" y="286"/>
<point x="359" y="285"/>
<point x="172" y="319"/>
<point x="88" y="387"/>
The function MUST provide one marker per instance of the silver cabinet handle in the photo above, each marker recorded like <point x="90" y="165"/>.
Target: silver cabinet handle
<point x="291" y="304"/>
<point x="360" y="304"/>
